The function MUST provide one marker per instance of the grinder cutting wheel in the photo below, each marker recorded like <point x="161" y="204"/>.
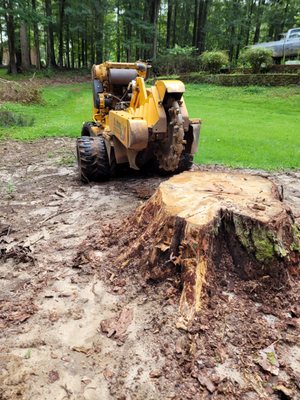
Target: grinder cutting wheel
<point x="135" y="125"/>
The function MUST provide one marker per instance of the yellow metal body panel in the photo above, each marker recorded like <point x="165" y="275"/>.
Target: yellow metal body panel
<point x="131" y="132"/>
<point x="171" y="86"/>
<point x="129" y="129"/>
<point x="146" y="104"/>
<point x="100" y="71"/>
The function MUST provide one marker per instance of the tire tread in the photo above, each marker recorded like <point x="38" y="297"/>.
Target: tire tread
<point x="92" y="159"/>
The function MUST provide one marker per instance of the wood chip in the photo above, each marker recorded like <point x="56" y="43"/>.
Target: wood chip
<point x="288" y="393"/>
<point x="206" y="382"/>
<point x="53" y="316"/>
<point x="108" y="374"/>
<point x="59" y="194"/>
<point x="155" y="373"/>
<point x="53" y="376"/>
<point x="117" y="326"/>
<point x="81" y="349"/>
<point x="268" y="360"/>
<point x="86" y="380"/>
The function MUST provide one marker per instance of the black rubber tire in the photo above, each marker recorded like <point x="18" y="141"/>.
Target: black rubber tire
<point x="92" y="159"/>
<point x="87" y="129"/>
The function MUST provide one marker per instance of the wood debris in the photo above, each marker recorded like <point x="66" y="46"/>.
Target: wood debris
<point x="117" y="326"/>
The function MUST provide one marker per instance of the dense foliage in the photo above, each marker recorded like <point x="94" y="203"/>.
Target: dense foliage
<point x="75" y="34"/>
<point x="213" y="61"/>
<point x="176" y="61"/>
<point x="9" y="118"/>
<point x="257" y="58"/>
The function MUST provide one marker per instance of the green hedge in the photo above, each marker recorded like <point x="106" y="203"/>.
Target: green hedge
<point x="272" y="69"/>
<point x="242" y="79"/>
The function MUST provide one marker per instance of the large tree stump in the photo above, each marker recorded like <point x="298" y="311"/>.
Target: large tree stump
<point x="196" y="219"/>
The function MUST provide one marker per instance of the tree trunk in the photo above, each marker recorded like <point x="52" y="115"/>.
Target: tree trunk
<point x="68" y="43"/>
<point x="9" y="19"/>
<point x="240" y="40"/>
<point x="25" y="60"/>
<point x="283" y="22"/>
<point x="154" y="11"/>
<point x="249" y="21"/>
<point x="36" y="38"/>
<point x="259" y="13"/>
<point x="78" y="50"/>
<point x="201" y="28"/>
<point x="195" y="27"/>
<point x="18" y="57"/>
<point x="169" y="23"/>
<point x="118" y="33"/>
<point x="72" y="52"/>
<point x="1" y="46"/>
<point x="128" y="36"/>
<point x="84" y="49"/>
<point x="92" y="45"/>
<point x="174" y="24"/>
<point x="186" y="24"/>
<point x="50" y="39"/>
<point x="144" y="33"/>
<point x="86" y="46"/>
<point x="271" y="34"/>
<point x="60" y="33"/>
<point x="233" y="30"/>
<point x="204" y="226"/>
<point x="99" y="19"/>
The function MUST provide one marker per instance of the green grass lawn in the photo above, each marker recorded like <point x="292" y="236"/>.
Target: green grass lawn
<point x="64" y="110"/>
<point x="253" y="127"/>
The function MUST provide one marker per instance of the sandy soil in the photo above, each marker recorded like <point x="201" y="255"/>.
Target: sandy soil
<point x="75" y="327"/>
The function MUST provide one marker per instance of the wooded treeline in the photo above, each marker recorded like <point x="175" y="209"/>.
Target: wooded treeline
<point x="75" y="34"/>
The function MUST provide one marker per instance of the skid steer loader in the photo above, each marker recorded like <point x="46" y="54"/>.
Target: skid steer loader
<point x="145" y="128"/>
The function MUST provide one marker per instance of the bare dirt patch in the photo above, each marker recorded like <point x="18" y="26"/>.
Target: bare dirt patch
<point x="75" y="326"/>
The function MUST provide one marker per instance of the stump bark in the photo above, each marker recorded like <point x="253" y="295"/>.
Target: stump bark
<point x="196" y="221"/>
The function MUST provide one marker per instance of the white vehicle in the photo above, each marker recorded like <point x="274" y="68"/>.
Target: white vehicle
<point x="287" y="46"/>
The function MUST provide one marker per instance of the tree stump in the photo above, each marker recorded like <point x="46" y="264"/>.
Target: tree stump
<point x="197" y="220"/>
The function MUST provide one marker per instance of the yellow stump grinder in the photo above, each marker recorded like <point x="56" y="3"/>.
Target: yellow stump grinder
<point x="145" y="128"/>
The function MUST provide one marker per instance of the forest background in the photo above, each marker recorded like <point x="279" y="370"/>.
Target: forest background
<point x="76" y="34"/>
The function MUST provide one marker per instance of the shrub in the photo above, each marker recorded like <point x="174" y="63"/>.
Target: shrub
<point x="182" y="51"/>
<point x="213" y="61"/>
<point x="257" y="58"/>
<point x="20" y="92"/>
<point x="175" y="61"/>
<point x="8" y="118"/>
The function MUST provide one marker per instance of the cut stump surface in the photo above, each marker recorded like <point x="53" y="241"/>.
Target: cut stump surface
<point x="197" y="222"/>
